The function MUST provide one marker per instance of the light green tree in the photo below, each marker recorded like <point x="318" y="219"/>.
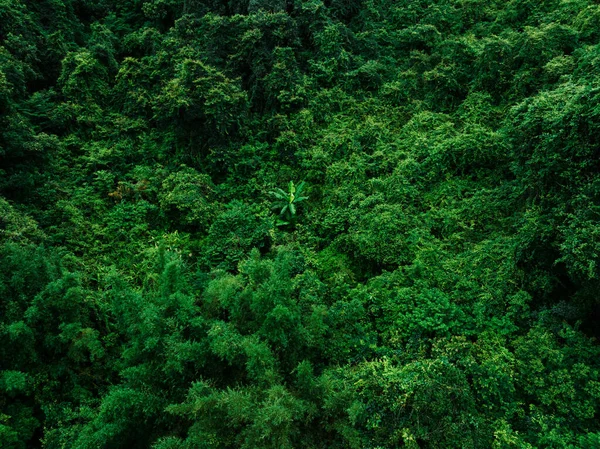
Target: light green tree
<point x="288" y="202"/>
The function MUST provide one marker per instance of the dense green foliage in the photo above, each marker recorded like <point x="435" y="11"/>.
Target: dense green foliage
<point x="437" y="287"/>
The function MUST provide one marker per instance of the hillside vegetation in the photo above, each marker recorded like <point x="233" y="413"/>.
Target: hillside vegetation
<point x="432" y="283"/>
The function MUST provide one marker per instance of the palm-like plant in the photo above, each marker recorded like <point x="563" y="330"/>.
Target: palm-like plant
<point x="287" y="202"/>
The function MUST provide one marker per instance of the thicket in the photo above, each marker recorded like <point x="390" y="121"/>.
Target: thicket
<point x="437" y="289"/>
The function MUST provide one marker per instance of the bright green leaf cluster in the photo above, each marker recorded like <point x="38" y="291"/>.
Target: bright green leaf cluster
<point x="288" y="202"/>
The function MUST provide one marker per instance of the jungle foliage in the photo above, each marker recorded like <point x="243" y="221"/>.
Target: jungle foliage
<point x="437" y="287"/>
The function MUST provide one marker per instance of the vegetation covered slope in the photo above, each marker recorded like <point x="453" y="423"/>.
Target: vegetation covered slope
<point x="437" y="289"/>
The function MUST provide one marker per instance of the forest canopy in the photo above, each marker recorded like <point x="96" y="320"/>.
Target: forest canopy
<point x="316" y="224"/>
